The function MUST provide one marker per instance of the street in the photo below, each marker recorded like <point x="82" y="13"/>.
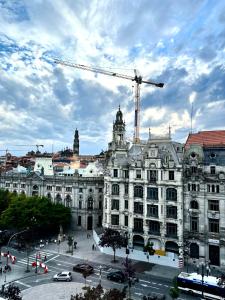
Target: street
<point x="57" y="262"/>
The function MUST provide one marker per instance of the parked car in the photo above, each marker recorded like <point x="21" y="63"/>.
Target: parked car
<point x="117" y="276"/>
<point x="81" y="268"/>
<point x="63" y="276"/>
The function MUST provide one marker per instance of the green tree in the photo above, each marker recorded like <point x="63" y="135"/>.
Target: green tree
<point x="97" y="293"/>
<point x="112" y="238"/>
<point x="149" y="248"/>
<point x="174" y="291"/>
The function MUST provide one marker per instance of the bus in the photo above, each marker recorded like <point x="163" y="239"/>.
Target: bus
<point x="210" y="287"/>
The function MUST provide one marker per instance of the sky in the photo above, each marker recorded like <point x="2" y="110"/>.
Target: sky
<point x="178" y="42"/>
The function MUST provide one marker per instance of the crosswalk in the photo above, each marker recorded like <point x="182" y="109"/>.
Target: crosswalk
<point x="39" y="256"/>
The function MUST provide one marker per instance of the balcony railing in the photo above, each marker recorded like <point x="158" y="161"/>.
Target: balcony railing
<point x="152" y="232"/>
<point x="138" y="230"/>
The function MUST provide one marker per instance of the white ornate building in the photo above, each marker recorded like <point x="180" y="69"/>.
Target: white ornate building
<point x="143" y="190"/>
<point x="83" y="194"/>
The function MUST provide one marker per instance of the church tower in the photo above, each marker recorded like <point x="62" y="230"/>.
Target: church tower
<point x="76" y="143"/>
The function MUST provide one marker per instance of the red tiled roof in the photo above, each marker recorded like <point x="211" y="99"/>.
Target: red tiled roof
<point x="206" y="138"/>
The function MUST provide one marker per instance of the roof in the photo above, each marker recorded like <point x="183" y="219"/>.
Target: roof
<point x="206" y="138"/>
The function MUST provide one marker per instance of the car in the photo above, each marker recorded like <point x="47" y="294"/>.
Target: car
<point x="81" y="268"/>
<point x="117" y="276"/>
<point x="63" y="276"/>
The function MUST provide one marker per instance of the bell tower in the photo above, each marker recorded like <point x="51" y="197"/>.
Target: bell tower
<point x="119" y="129"/>
<point x="76" y="143"/>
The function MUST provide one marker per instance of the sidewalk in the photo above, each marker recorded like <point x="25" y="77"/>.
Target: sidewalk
<point x="84" y="251"/>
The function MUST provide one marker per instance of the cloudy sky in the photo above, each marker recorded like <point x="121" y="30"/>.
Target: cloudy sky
<point x="178" y="42"/>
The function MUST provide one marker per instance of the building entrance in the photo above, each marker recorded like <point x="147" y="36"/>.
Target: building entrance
<point x="89" y="223"/>
<point x="214" y="255"/>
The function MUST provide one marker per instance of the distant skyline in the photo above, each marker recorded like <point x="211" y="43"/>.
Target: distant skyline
<point x="180" y="43"/>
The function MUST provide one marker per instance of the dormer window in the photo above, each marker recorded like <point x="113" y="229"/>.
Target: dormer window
<point x="193" y="155"/>
<point x="212" y="155"/>
<point x="212" y="170"/>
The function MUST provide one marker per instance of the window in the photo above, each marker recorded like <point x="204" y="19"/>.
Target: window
<point x="115" y="219"/>
<point x="214" y="225"/>
<point x="105" y="203"/>
<point x="138" y="208"/>
<point x="138" y="174"/>
<point x="126" y="189"/>
<point x="213" y="188"/>
<point x="152" y="175"/>
<point x="171" y="194"/>
<point x="138" y="191"/>
<point x="152" y="211"/>
<point x="90" y="190"/>
<point x="115" y="204"/>
<point x="194" y="204"/>
<point x="15" y="185"/>
<point x="138" y="225"/>
<point x="80" y="204"/>
<point x="49" y="188"/>
<point x="68" y="189"/>
<point x="125" y="220"/>
<point x="189" y="187"/>
<point x="171" y="175"/>
<point x="171" y="230"/>
<point x="100" y="205"/>
<point x="213" y="205"/>
<point x="208" y="188"/>
<point x="126" y="204"/>
<point x="171" y="212"/>
<point x="154" y="227"/>
<point x="126" y="173"/>
<point x="80" y="196"/>
<point x="115" y="173"/>
<point x="58" y="188"/>
<point x="7" y="184"/>
<point x="90" y="203"/>
<point x="152" y="193"/>
<point x="80" y="190"/>
<point x="193" y="170"/>
<point x="194" y="224"/>
<point x="213" y="170"/>
<point x="100" y="190"/>
<point x="115" y="189"/>
<point x="23" y="185"/>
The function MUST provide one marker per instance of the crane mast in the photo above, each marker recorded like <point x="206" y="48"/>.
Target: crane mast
<point x="137" y="79"/>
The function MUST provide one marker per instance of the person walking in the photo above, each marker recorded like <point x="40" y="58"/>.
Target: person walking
<point x="93" y="247"/>
<point x="1" y="270"/>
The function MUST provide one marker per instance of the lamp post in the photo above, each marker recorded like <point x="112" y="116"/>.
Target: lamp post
<point x="100" y="275"/>
<point x="204" y="266"/>
<point x="7" y="257"/>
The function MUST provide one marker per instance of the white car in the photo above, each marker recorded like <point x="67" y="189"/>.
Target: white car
<point x="63" y="276"/>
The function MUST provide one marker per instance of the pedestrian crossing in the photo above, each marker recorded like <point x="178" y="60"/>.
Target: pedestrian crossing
<point x="43" y="256"/>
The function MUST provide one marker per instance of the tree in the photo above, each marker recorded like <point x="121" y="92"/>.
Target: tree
<point x="11" y="292"/>
<point x="70" y="242"/>
<point x="129" y="272"/>
<point x="149" y="248"/>
<point x="97" y="293"/>
<point x="174" y="291"/>
<point x="112" y="238"/>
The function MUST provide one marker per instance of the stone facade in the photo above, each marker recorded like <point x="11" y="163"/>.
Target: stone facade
<point x="204" y="199"/>
<point x="83" y="194"/>
<point x="143" y="191"/>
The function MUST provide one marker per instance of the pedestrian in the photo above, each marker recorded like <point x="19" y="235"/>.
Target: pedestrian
<point x="93" y="247"/>
<point x="9" y="268"/>
<point x="45" y="258"/>
<point x="0" y="270"/>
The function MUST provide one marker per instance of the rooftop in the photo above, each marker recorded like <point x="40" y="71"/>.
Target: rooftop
<point x="206" y="138"/>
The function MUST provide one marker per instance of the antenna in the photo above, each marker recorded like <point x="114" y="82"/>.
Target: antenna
<point x="191" y="115"/>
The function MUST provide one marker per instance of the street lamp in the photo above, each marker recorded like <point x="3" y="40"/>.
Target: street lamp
<point x="100" y="275"/>
<point x="204" y="266"/>
<point x="7" y="248"/>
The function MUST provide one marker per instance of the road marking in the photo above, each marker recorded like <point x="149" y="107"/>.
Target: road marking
<point x="144" y="281"/>
<point x="52" y="258"/>
<point x="88" y="280"/>
<point x="139" y="294"/>
<point x="145" y="285"/>
<point x="26" y="285"/>
<point x="153" y="287"/>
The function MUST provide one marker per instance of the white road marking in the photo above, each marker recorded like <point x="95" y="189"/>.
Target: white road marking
<point x="139" y="294"/>
<point x="26" y="285"/>
<point x="153" y="287"/>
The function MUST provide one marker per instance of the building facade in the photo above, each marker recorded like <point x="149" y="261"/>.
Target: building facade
<point x="204" y="196"/>
<point x="84" y="195"/>
<point x="143" y="191"/>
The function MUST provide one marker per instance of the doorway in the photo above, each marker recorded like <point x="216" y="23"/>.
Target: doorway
<point x="79" y="221"/>
<point x="89" y="223"/>
<point x="214" y="255"/>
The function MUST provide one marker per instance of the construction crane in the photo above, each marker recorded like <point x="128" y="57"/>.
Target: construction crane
<point x="137" y="79"/>
<point x="29" y="146"/>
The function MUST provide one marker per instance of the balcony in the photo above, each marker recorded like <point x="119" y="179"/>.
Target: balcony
<point x="172" y="235"/>
<point x="138" y="230"/>
<point x="152" y="232"/>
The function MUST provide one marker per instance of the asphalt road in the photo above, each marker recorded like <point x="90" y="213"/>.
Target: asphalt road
<point x="59" y="262"/>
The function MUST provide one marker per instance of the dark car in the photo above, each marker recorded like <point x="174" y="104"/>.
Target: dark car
<point x="83" y="268"/>
<point x="117" y="276"/>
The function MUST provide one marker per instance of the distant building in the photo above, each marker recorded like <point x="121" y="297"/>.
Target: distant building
<point x="204" y="195"/>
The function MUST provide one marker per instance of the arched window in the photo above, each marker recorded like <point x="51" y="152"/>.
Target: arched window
<point x="171" y="194"/>
<point x="115" y="189"/>
<point x="90" y="203"/>
<point x="35" y="187"/>
<point x="58" y="198"/>
<point x="68" y="201"/>
<point x="138" y="191"/>
<point x="194" y="204"/>
<point x="49" y="196"/>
